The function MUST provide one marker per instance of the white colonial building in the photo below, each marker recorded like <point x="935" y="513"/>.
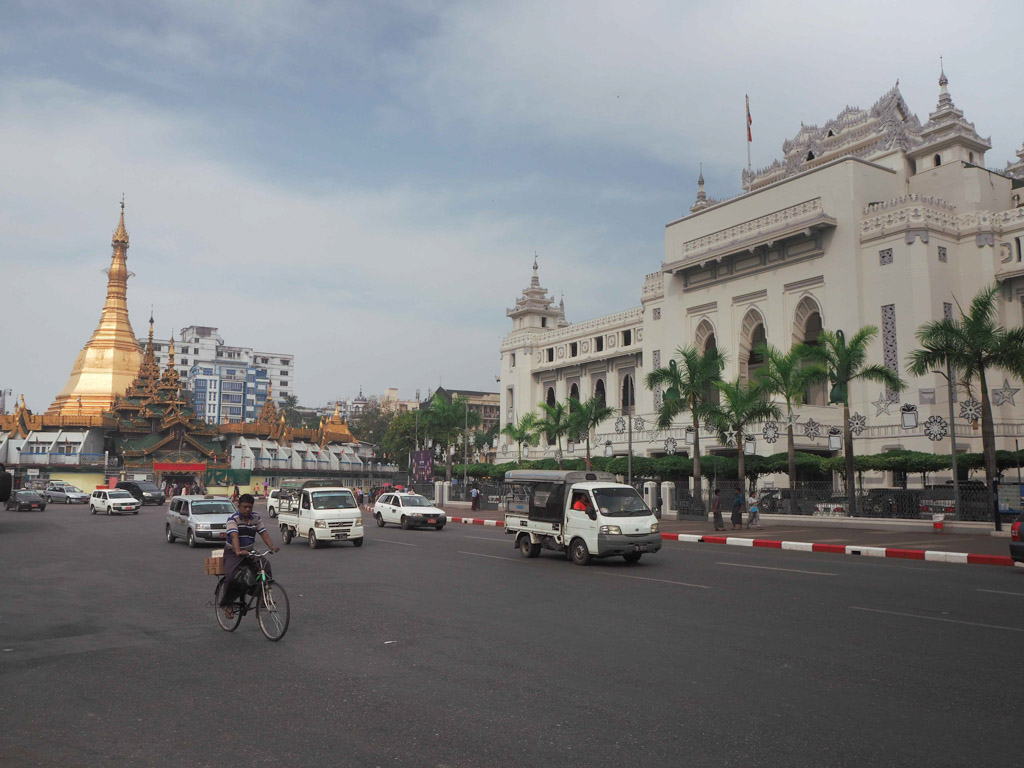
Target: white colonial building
<point x="872" y="219"/>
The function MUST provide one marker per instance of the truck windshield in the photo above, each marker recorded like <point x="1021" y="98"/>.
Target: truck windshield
<point x="334" y="500"/>
<point x="620" y="502"/>
<point x="213" y="508"/>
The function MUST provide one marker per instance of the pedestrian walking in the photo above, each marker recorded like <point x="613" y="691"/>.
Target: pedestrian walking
<point x="737" y="510"/>
<point x="474" y="497"/>
<point x="754" y="518"/>
<point x="716" y="510"/>
<point x="359" y="497"/>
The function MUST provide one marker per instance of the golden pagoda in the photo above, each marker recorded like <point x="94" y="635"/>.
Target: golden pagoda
<point x="110" y="360"/>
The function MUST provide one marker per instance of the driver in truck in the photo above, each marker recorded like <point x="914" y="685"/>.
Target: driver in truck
<point x="581" y="502"/>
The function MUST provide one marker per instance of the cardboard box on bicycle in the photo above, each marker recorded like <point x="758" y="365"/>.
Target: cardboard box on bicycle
<point x="214" y="564"/>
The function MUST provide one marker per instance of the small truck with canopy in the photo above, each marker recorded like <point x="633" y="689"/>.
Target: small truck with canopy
<point x="321" y="512"/>
<point x="583" y="514"/>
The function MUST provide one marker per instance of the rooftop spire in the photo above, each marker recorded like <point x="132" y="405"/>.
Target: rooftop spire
<point x="120" y="234"/>
<point x="702" y="198"/>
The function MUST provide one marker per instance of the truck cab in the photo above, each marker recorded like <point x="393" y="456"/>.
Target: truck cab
<point x="583" y="514"/>
<point x="320" y="514"/>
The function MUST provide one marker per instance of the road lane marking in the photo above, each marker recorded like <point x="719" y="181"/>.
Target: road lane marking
<point x="487" y="538"/>
<point x="492" y="557"/>
<point x="1001" y="592"/>
<point x="937" y="618"/>
<point x="391" y="541"/>
<point x="646" y="578"/>
<point x="768" y="568"/>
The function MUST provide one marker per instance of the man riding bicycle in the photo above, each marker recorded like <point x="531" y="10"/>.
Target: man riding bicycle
<point x="242" y="528"/>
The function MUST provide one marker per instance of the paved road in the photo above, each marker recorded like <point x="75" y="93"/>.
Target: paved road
<point x="428" y="648"/>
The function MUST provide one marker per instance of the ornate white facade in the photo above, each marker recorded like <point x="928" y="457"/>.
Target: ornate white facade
<point x="872" y="219"/>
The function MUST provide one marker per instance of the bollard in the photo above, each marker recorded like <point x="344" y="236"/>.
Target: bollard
<point x="938" y="523"/>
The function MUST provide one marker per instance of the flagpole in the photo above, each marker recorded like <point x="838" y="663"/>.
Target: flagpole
<point x="749" y="171"/>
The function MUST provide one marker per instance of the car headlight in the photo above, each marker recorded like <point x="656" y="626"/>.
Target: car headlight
<point x="202" y="526"/>
<point x="357" y="523"/>
<point x="319" y="523"/>
<point x="612" y="529"/>
<point x="655" y="528"/>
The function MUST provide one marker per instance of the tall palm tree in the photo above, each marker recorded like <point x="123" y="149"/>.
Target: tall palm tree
<point x="972" y="345"/>
<point x="740" y="405"/>
<point x="446" y="420"/>
<point x="522" y="432"/>
<point x="585" y="417"/>
<point x="289" y="406"/>
<point x="788" y="375"/>
<point x="554" y="424"/>
<point x="689" y="382"/>
<point x="846" y="361"/>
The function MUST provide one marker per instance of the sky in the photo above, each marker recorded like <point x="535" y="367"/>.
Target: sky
<point x="365" y="185"/>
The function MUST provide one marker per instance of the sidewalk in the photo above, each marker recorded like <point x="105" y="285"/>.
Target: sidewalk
<point x="908" y="534"/>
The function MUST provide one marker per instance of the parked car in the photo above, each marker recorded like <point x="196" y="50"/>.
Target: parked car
<point x="66" y="493"/>
<point x="198" y="519"/>
<point x="111" y="501"/>
<point x="1017" y="539"/>
<point x="410" y="510"/>
<point x="143" y="491"/>
<point x="25" y="501"/>
<point x="273" y="502"/>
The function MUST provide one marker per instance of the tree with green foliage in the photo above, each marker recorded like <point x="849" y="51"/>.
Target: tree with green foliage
<point x="372" y="423"/>
<point x="740" y="405"/>
<point x="689" y="381"/>
<point x="445" y="421"/>
<point x="522" y="433"/>
<point x="788" y="375"/>
<point x="586" y="417"/>
<point x="400" y="439"/>
<point x="972" y="345"/>
<point x="554" y="425"/>
<point x="846" y="362"/>
<point x="290" y="409"/>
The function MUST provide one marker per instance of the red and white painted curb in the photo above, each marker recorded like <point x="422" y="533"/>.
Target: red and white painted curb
<point x="476" y="521"/>
<point x="846" y="549"/>
<point x="938" y="556"/>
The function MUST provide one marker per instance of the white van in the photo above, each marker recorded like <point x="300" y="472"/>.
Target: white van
<point x="584" y="514"/>
<point x="321" y="514"/>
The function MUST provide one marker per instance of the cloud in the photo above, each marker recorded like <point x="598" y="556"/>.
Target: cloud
<point x="399" y="286"/>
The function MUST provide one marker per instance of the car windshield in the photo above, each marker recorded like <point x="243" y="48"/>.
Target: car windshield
<point x="147" y="486"/>
<point x="213" y="508"/>
<point x="334" y="500"/>
<point x="416" y="501"/>
<point x="69" y="489"/>
<point x="28" y="495"/>
<point x="120" y="495"/>
<point x="620" y="502"/>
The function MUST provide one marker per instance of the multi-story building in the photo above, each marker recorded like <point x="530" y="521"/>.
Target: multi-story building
<point x="228" y="382"/>
<point x="871" y="219"/>
<point x="484" y="404"/>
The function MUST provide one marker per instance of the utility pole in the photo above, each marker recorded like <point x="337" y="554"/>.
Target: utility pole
<point x="465" y="445"/>
<point x="952" y="440"/>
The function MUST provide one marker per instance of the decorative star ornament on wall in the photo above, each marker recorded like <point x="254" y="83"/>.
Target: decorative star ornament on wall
<point x="670" y="446"/>
<point x="791" y="420"/>
<point x="1006" y="394"/>
<point x="812" y="429"/>
<point x="620" y="425"/>
<point x="936" y="428"/>
<point x="770" y="433"/>
<point x="882" y="405"/>
<point x="858" y="424"/>
<point x="730" y="436"/>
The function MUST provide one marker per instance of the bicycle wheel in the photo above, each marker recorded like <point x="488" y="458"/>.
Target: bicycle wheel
<point x="272" y="611"/>
<point x="228" y="625"/>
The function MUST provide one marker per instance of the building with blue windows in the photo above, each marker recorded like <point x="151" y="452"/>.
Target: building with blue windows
<point x="228" y="393"/>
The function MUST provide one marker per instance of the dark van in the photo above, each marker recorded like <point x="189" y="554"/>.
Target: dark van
<point x="143" y="490"/>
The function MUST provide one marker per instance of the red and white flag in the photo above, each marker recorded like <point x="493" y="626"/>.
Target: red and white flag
<point x="749" y="122"/>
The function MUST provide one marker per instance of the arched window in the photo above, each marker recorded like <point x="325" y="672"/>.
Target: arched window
<point x="970" y="157"/>
<point x="816" y="394"/>
<point x="549" y="398"/>
<point x="574" y="392"/>
<point x="599" y="391"/>
<point x="810" y="155"/>
<point x="755" y="359"/>
<point x="938" y="160"/>
<point x="628" y="393"/>
<point x="752" y="333"/>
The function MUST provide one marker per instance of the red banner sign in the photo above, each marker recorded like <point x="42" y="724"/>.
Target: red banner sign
<point x="170" y="466"/>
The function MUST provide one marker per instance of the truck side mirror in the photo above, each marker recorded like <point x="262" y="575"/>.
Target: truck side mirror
<point x="592" y="513"/>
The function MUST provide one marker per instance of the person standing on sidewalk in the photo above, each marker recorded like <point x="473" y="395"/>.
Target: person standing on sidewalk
<point x="474" y="496"/>
<point x="716" y="510"/>
<point x="737" y="510"/>
<point x="754" y="518"/>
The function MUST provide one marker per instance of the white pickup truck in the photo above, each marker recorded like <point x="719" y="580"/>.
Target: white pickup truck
<point x="584" y="514"/>
<point x="320" y="514"/>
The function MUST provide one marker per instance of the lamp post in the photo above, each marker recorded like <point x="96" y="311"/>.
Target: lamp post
<point x="465" y="446"/>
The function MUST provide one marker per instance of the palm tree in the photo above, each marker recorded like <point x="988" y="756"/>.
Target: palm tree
<point x="788" y="375"/>
<point x="972" y="345"/>
<point x="845" y="362"/>
<point x="584" y="417"/>
<point x="689" y="381"/>
<point x="554" y="425"/>
<point x="522" y="432"/>
<point x="289" y="407"/>
<point x="740" y="405"/>
<point x="445" y="421"/>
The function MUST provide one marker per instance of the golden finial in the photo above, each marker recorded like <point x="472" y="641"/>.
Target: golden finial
<point x="336" y="414"/>
<point x="121" y="234"/>
<point x="170" y="352"/>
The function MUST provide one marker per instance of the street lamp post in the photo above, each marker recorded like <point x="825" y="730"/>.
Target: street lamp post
<point x="465" y="446"/>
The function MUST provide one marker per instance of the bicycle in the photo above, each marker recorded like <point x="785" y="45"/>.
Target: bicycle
<point x="266" y="595"/>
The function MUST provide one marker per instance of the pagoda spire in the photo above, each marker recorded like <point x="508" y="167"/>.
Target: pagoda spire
<point x="702" y="198"/>
<point x="109" y="361"/>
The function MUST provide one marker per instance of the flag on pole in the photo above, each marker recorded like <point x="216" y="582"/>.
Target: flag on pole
<point x="750" y="122"/>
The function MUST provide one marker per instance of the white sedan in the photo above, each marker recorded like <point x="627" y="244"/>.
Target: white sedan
<point x="409" y="510"/>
